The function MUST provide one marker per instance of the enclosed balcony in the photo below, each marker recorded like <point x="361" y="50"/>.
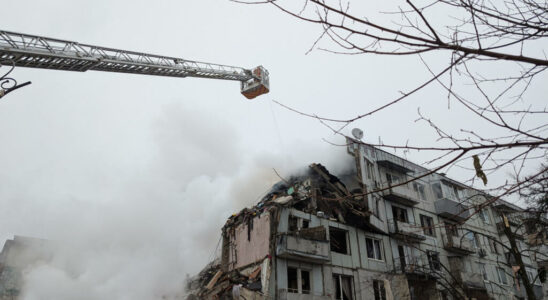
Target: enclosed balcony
<point x="285" y="294"/>
<point x="472" y="281"/>
<point x="405" y="231"/>
<point x="415" y="267"/>
<point x="458" y="244"/>
<point x="300" y="248"/>
<point x="402" y="194"/>
<point x="451" y="209"/>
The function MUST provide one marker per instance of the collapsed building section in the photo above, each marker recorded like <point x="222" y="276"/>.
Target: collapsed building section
<point x="369" y="233"/>
<point x="290" y="224"/>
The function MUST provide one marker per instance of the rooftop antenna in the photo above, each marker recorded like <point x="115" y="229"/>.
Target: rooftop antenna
<point x="357" y="133"/>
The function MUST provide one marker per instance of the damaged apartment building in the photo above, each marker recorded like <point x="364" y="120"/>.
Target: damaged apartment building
<point x="318" y="237"/>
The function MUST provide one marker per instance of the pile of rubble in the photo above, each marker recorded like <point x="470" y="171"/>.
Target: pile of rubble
<point x="318" y="192"/>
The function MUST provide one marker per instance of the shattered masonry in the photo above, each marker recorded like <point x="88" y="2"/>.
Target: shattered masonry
<point x="320" y="236"/>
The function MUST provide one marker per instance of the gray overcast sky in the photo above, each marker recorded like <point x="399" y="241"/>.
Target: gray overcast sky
<point x="151" y="166"/>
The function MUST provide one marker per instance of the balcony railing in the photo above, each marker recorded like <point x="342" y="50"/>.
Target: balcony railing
<point x="458" y="244"/>
<point x="451" y="209"/>
<point x="295" y="247"/>
<point x="416" y="266"/>
<point x="472" y="281"/>
<point x="402" y="194"/>
<point x="405" y="231"/>
<point x="286" y="294"/>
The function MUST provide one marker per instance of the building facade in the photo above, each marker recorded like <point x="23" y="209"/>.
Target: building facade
<point x="373" y="234"/>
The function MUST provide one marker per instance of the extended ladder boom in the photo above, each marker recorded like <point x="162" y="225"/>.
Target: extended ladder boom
<point x="32" y="51"/>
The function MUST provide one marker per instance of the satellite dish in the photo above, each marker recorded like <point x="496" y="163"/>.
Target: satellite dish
<point x="357" y="133"/>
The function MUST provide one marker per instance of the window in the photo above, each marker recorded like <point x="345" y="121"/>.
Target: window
<point x="298" y="280"/>
<point x="434" y="260"/>
<point x="533" y="279"/>
<point x="483" y="271"/>
<point x="493" y="245"/>
<point x="378" y="290"/>
<point x="419" y="188"/>
<point x="375" y="206"/>
<point x="393" y="179"/>
<point x="427" y="224"/>
<point x="400" y="214"/>
<point x="502" y="276"/>
<point x="472" y="238"/>
<point x="338" y="240"/>
<point x="530" y="227"/>
<point x="343" y="287"/>
<point x="451" y="229"/>
<point x="370" y="171"/>
<point x="296" y="223"/>
<point x="436" y="187"/>
<point x="484" y="216"/>
<point x="374" y="248"/>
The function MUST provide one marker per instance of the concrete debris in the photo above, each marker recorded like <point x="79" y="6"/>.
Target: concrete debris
<point x="249" y="237"/>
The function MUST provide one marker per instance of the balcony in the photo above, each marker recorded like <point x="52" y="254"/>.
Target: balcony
<point x="457" y="244"/>
<point x="402" y="195"/>
<point x="284" y="294"/>
<point x="415" y="267"/>
<point x="472" y="281"/>
<point x="294" y="247"/>
<point x="451" y="209"/>
<point x="405" y="231"/>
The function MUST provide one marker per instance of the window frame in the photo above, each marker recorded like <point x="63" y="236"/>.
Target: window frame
<point x="434" y="260"/>
<point x="483" y="270"/>
<point x="298" y="222"/>
<point x="379" y="292"/>
<point x="346" y="237"/>
<point x="339" y="278"/>
<point x="405" y="214"/>
<point x="502" y="274"/>
<point x="380" y="249"/>
<point x="484" y="216"/>
<point x="427" y="229"/>
<point x="420" y="189"/>
<point x="299" y="270"/>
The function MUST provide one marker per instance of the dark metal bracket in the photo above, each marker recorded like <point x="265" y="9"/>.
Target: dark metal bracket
<point x="9" y="84"/>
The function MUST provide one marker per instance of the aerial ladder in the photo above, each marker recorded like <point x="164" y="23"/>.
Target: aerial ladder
<point x="25" y="50"/>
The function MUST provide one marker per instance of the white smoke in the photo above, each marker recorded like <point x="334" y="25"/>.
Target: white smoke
<point x="134" y="231"/>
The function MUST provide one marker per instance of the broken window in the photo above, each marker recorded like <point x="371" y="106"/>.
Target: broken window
<point x="296" y="223"/>
<point x="434" y="260"/>
<point x="378" y="290"/>
<point x="343" y="287"/>
<point x="374" y="248"/>
<point x="400" y="214"/>
<point x="427" y="224"/>
<point x="292" y="281"/>
<point x="298" y="280"/>
<point x="338" y="240"/>
<point x="419" y="189"/>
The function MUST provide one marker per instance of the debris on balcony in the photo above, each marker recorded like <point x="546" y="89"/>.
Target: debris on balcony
<point x="249" y="236"/>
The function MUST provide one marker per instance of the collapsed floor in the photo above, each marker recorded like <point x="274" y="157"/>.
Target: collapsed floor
<point x="317" y="192"/>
